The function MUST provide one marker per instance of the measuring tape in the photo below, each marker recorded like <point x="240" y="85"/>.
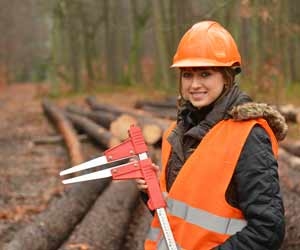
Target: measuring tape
<point x="164" y="223"/>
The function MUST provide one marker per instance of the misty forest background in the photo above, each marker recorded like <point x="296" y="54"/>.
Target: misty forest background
<point x="81" y="45"/>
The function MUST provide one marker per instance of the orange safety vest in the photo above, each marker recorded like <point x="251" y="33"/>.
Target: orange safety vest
<point x="199" y="215"/>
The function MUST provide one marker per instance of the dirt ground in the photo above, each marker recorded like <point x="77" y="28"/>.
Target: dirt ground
<point x="29" y="172"/>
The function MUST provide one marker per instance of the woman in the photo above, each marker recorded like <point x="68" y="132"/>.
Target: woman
<point x="219" y="169"/>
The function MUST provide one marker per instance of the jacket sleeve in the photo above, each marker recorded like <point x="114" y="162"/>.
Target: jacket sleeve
<point x="257" y="186"/>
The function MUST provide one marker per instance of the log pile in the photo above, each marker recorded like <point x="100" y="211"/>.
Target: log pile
<point x="110" y="215"/>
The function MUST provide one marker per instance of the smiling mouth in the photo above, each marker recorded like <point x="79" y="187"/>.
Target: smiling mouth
<point x="198" y="95"/>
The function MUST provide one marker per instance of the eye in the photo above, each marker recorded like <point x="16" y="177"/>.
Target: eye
<point x="205" y="73"/>
<point x="187" y="74"/>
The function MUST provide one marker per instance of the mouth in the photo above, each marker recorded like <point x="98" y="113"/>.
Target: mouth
<point x="198" y="95"/>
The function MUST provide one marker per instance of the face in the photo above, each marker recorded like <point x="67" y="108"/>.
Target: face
<point x="201" y="86"/>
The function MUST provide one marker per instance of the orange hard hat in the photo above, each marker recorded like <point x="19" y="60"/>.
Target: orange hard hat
<point x="207" y="44"/>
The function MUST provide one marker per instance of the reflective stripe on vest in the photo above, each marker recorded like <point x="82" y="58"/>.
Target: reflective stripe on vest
<point x="198" y="217"/>
<point x="155" y="234"/>
<point x="162" y="244"/>
<point x="205" y="219"/>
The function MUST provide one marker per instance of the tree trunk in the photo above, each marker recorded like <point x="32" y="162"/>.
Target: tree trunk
<point x="161" y="43"/>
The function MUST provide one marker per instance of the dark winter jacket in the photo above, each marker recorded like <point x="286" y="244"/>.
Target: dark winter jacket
<point x="254" y="187"/>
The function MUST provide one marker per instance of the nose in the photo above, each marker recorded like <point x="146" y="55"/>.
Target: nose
<point x="196" y="82"/>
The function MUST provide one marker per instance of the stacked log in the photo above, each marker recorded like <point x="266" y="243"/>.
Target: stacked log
<point x="105" y="224"/>
<point x="152" y="126"/>
<point x="290" y="112"/>
<point x="50" y="228"/>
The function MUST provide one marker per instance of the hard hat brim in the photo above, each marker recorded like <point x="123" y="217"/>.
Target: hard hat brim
<point x="202" y="63"/>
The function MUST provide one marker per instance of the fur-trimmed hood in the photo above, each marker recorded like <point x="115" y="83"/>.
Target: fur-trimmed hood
<point x="252" y="110"/>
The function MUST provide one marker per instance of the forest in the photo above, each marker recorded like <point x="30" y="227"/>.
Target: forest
<point x="76" y="74"/>
<point x="86" y="43"/>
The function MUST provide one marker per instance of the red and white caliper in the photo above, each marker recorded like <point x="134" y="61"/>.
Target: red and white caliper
<point x="141" y="168"/>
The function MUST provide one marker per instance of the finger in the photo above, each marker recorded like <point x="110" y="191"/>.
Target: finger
<point x="143" y="187"/>
<point x="140" y="181"/>
<point x="156" y="167"/>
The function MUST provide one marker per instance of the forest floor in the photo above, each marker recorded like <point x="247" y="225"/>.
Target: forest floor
<point x="29" y="172"/>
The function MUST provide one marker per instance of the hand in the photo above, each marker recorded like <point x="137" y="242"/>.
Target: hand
<point x="141" y="183"/>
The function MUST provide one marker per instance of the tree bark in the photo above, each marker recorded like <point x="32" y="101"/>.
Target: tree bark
<point x="290" y="113"/>
<point x="162" y="112"/>
<point x="290" y="189"/>
<point x="169" y="103"/>
<point x="50" y="228"/>
<point x="161" y="43"/>
<point x="102" y="118"/>
<point x="67" y="130"/>
<point x="292" y="147"/>
<point x="95" y="131"/>
<point x="292" y="161"/>
<point x="138" y="228"/>
<point x="53" y="139"/>
<point x="106" y="224"/>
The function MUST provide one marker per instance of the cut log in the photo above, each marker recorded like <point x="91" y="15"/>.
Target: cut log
<point x="290" y="189"/>
<point x="169" y="104"/>
<point x="291" y="160"/>
<point x="290" y="113"/>
<point x="106" y="224"/>
<point x="293" y="147"/>
<point x="289" y="170"/>
<point x="92" y="102"/>
<point x="138" y="228"/>
<point x="120" y="126"/>
<point x="152" y="133"/>
<point x="291" y="202"/>
<point x="50" y="228"/>
<point x="102" y="118"/>
<point x="63" y="125"/>
<point x="166" y="113"/>
<point x="141" y="115"/>
<point x="53" y="139"/>
<point x="144" y="119"/>
<point x="165" y="109"/>
<point x="95" y="131"/>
